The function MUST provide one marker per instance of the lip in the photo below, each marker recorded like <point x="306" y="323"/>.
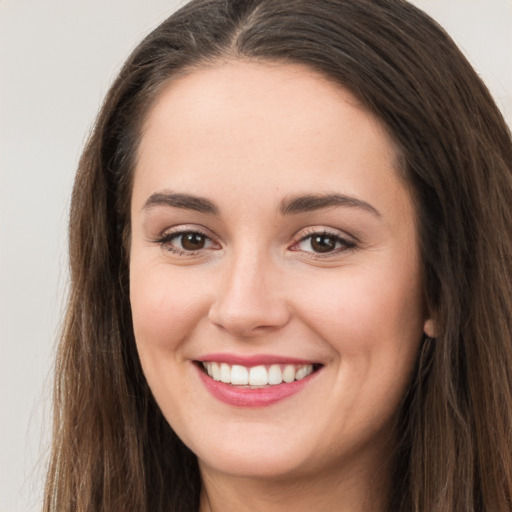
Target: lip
<point x="252" y="397"/>
<point x="255" y="360"/>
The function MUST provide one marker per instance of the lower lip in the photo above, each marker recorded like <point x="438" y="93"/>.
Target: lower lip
<point x="252" y="397"/>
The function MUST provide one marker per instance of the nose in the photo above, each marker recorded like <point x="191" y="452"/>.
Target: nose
<point x="250" y="300"/>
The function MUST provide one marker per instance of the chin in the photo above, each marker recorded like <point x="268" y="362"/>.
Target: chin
<point x="262" y="454"/>
<point x="254" y="465"/>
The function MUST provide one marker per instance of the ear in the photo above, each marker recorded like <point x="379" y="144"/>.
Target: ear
<point x="429" y="328"/>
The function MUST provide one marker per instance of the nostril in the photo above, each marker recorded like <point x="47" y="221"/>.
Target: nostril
<point x="245" y="306"/>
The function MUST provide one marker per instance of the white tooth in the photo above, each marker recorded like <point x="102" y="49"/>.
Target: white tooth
<point x="215" y="371"/>
<point x="289" y="373"/>
<point x="275" y="375"/>
<point x="303" y="371"/>
<point x="299" y="374"/>
<point x="225" y="373"/>
<point x="239" y="375"/>
<point x="258" y="376"/>
<point x="209" y="368"/>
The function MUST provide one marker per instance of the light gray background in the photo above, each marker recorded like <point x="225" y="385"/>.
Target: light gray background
<point x="57" y="59"/>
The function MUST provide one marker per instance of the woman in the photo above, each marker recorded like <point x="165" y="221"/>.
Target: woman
<point x="291" y="277"/>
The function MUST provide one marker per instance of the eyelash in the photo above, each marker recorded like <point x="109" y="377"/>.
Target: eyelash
<point x="344" y="244"/>
<point x="165" y="241"/>
<point x="340" y="244"/>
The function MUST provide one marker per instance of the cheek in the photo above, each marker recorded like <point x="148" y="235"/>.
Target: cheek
<point x="165" y="311"/>
<point x="358" y="308"/>
<point x="372" y="320"/>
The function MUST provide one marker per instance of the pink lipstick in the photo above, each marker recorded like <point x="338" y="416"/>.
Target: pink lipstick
<point x="254" y="381"/>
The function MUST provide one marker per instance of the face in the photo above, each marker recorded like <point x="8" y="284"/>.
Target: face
<point x="274" y="271"/>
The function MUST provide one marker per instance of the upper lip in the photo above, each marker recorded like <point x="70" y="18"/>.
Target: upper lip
<point x="253" y="360"/>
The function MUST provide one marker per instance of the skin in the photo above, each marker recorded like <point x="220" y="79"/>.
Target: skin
<point x="247" y="136"/>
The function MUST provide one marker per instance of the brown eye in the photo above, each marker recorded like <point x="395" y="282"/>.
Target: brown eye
<point x="323" y="243"/>
<point x="192" y="241"/>
<point x="186" y="242"/>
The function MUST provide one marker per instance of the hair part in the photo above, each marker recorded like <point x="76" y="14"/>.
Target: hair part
<point x="113" y="450"/>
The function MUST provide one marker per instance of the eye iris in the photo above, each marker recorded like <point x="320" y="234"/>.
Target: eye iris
<point x="323" y="243"/>
<point x="192" y="241"/>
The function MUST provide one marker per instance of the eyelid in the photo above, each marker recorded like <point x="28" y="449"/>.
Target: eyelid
<point x="348" y="242"/>
<point x="165" y="237"/>
<point x="184" y="228"/>
<point x="321" y="228"/>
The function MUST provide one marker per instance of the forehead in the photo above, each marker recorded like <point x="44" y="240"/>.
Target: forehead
<point x="238" y="91"/>
<point x="283" y="126"/>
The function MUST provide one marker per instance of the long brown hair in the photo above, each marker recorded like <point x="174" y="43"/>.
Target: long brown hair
<point x="112" y="448"/>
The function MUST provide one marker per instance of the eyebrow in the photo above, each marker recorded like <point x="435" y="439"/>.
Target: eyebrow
<point x="184" y="201"/>
<point x="312" y="202"/>
<point x="289" y="206"/>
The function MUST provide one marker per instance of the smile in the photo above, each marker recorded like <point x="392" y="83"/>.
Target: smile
<point x="254" y="382"/>
<point x="256" y="376"/>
